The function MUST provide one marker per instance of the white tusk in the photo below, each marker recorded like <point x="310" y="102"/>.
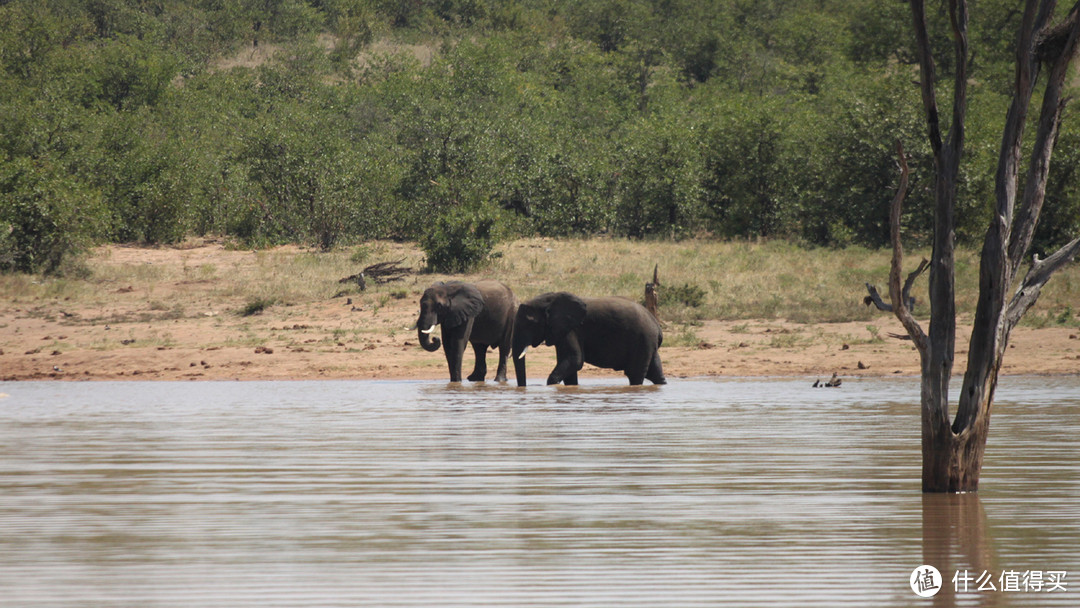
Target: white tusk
<point x="523" y="351"/>
<point x="429" y="330"/>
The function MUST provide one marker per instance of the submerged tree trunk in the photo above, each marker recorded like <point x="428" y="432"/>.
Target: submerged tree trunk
<point x="953" y="451"/>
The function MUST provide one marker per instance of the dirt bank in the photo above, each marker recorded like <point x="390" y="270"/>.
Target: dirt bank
<point x="175" y="314"/>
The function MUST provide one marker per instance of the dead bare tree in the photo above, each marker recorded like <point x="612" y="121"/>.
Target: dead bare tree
<point x="953" y="451"/>
<point x="652" y="304"/>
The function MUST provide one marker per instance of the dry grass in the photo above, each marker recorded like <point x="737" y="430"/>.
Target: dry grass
<point x="178" y="313"/>
<point x="741" y="279"/>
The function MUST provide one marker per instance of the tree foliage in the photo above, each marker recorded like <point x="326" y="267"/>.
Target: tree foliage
<point x="331" y="121"/>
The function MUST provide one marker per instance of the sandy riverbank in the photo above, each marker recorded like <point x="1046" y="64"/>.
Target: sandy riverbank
<point x="169" y="314"/>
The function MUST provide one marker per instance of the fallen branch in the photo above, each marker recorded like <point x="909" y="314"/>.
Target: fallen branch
<point x="381" y="272"/>
<point x="385" y="272"/>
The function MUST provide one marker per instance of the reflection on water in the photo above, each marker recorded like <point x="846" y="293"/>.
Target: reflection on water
<point x="956" y="539"/>
<point x="697" y="493"/>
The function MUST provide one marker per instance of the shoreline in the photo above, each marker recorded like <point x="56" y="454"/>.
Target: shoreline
<point x="744" y="349"/>
<point x="179" y="314"/>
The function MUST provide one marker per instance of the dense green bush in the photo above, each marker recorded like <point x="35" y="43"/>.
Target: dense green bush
<point x="659" y="185"/>
<point x="459" y="240"/>
<point x="46" y="219"/>
<point x="334" y="121"/>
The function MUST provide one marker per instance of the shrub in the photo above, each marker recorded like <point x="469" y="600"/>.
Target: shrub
<point x="256" y="306"/>
<point x="45" y="217"/>
<point x="685" y="294"/>
<point x="459" y="241"/>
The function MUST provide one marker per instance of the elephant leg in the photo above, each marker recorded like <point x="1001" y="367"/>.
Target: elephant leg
<point x="454" y="340"/>
<point x="504" y="353"/>
<point x="569" y="362"/>
<point x="480" y="369"/>
<point x="656" y="370"/>
<point x="570" y="379"/>
<point x="453" y="364"/>
<point x="563" y="370"/>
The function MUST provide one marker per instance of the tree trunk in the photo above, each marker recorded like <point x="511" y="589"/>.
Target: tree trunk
<point x="952" y="462"/>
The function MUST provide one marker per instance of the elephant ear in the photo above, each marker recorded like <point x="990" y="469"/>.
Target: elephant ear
<point x="465" y="303"/>
<point x="565" y="314"/>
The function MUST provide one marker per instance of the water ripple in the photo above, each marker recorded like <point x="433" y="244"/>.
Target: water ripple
<point x="698" y="493"/>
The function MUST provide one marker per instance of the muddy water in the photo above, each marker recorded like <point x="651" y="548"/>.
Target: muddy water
<point x="698" y="493"/>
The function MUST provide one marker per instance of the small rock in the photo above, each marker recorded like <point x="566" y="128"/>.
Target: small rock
<point x="863" y="365"/>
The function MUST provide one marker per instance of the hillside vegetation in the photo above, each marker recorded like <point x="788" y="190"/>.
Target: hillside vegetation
<point x="457" y="123"/>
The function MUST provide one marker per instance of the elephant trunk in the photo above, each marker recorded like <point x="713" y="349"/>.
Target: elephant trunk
<point x="429" y="343"/>
<point x="519" y="369"/>
<point x="521" y="346"/>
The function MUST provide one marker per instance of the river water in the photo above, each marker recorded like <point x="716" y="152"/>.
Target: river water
<point x="697" y="493"/>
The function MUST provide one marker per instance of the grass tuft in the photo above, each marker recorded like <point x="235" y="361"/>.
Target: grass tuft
<point x="257" y="306"/>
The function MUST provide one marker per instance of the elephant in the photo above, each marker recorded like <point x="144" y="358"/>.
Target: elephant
<point x="614" y="333"/>
<point x="480" y="313"/>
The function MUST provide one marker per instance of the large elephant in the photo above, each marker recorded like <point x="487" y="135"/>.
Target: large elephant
<point x="614" y="333"/>
<point x="480" y="313"/>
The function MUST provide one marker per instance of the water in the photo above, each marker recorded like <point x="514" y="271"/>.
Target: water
<point x="698" y="493"/>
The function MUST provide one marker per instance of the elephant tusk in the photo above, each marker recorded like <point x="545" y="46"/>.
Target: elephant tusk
<point x="429" y="330"/>
<point x="523" y="351"/>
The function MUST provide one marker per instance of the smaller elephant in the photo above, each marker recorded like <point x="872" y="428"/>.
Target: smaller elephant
<point x="613" y="333"/>
<point x="480" y="313"/>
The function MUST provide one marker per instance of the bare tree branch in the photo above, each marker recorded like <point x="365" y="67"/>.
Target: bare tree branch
<point x="1009" y="237"/>
<point x="959" y="19"/>
<point x="875" y="298"/>
<point x="899" y="305"/>
<point x="926" y="74"/>
<point x="1037" y="276"/>
<point x="1063" y="38"/>
<point x="1036" y="15"/>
